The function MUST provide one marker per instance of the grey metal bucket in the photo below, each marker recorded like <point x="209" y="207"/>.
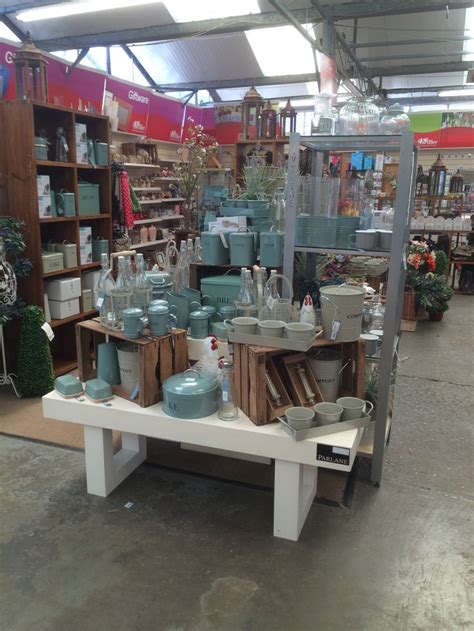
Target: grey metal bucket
<point x="343" y="304"/>
<point x="326" y="366"/>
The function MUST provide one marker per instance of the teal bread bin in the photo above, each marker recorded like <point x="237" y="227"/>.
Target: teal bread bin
<point x="99" y="246"/>
<point x="98" y="390"/>
<point x="190" y="395"/>
<point x="68" y="386"/>
<point x="101" y="153"/>
<point x="88" y="198"/>
<point x="65" y="204"/>
<point x="271" y="249"/>
<point x="222" y="290"/>
<point x="243" y="251"/>
<point x="213" y="250"/>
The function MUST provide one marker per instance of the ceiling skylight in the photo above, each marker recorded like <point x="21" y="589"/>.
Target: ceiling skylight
<point x="281" y="51"/>
<point x="64" y="9"/>
<point x="195" y="10"/>
<point x="5" y="33"/>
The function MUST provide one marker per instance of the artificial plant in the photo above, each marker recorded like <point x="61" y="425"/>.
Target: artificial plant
<point x="193" y="157"/>
<point x="35" y="364"/>
<point x="433" y="292"/>
<point x="260" y="180"/>
<point x="10" y="232"/>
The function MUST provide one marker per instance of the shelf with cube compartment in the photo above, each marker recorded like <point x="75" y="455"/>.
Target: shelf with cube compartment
<point x="93" y="184"/>
<point x="51" y="185"/>
<point x="47" y="121"/>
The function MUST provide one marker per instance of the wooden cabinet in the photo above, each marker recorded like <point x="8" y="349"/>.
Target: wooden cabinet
<point x="20" y="122"/>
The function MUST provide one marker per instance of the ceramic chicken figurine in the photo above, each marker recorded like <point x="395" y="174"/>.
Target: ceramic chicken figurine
<point x="208" y="363"/>
<point x="307" y="311"/>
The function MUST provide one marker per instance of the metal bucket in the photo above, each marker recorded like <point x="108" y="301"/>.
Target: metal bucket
<point x="128" y="365"/>
<point x="342" y="304"/>
<point x="326" y="366"/>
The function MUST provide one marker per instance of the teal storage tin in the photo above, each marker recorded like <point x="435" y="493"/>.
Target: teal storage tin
<point x="99" y="246"/>
<point x="199" y="324"/>
<point x="213" y="249"/>
<point x="101" y="153"/>
<point x="222" y="290"/>
<point x="190" y="395"/>
<point x="88" y="198"/>
<point x="65" y="204"/>
<point x="271" y="249"/>
<point x="41" y="148"/>
<point x="243" y="252"/>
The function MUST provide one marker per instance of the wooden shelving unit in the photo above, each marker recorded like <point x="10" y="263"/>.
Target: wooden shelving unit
<point x="20" y="122"/>
<point x="242" y="147"/>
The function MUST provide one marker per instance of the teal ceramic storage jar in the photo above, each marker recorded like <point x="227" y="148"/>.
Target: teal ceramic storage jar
<point x="271" y="249"/>
<point x="243" y="251"/>
<point x="190" y="395"/>
<point x="213" y="248"/>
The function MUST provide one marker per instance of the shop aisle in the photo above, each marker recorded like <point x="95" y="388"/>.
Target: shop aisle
<point x="194" y="554"/>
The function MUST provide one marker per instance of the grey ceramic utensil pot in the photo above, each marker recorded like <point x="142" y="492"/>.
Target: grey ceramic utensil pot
<point x="160" y="319"/>
<point x="199" y="324"/>
<point x="107" y="363"/>
<point x="133" y="322"/>
<point x="190" y="395"/>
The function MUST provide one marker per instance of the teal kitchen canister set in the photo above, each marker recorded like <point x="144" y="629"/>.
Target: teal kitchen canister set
<point x="242" y="248"/>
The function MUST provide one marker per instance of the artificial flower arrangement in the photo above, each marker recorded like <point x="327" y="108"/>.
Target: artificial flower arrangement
<point x="193" y="157"/>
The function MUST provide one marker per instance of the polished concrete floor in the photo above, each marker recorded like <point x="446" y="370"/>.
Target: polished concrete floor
<point x="194" y="554"/>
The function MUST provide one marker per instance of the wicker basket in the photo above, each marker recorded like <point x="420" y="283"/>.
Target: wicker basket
<point x="409" y="305"/>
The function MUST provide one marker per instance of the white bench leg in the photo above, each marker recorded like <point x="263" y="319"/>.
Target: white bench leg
<point x="295" y="490"/>
<point x="104" y="470"/>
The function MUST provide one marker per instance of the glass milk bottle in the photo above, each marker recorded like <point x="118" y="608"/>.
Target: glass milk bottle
<point x="105" y="287"/>
<point x="121" y="295"/>
<point x="228" y="411"/>
<point x="142" y="289"/>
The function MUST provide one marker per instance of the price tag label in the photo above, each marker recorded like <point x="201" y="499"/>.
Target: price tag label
<point x="100" y="302"/>
<point x="225" y="396"/>
<point x="336" y="325"/>
<point x="134" y="392"/>
<point x="48" y="330"/>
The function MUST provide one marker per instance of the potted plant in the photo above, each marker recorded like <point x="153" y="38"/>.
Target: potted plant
<point x="434" y="294"/>
<point x="260" y="182"/>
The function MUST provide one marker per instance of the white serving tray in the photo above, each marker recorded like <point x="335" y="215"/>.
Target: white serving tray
<point x="273" y="342"/>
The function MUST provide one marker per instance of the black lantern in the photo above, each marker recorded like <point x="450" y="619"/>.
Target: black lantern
<point x="268" y="127"/>
<point x="437" y="178"/>
<point x="456" y="185"/>
<point x="252" y="106"/>
<point x="287" y="120"/>
<point x="31" y="79"/>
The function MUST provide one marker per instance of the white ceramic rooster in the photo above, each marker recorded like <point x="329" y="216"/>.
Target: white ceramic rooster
<point x="208" y="363"/>
<point x="307" y="311"/>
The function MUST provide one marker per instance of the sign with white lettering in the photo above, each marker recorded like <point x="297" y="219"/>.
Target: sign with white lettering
<point x="333" y="455"/>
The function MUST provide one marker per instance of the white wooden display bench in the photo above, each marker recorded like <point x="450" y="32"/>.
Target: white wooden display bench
<point x="296" y="463"/>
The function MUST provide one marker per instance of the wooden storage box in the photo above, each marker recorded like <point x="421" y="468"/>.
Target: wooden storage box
<point x="159" y="358"/>
<point x="251" y="363"/>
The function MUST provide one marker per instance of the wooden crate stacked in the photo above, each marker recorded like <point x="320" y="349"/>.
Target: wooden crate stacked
<point x="158" y="357"/>
<point x="251" y="363"/>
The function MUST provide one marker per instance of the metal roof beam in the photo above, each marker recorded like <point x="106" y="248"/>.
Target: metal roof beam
<point x="13" y="28"/>
<point x="373" y="8"/>
<point x="376" y="58"/>
<point x="236" y="83"/>
<point x="166" y="32"/>
<point x="431" y="100"/>
<point x="23" y="6"/>
<point x="77" y="61"/>
<point x="408" y="69"/>
<point x="410" y="42"/>
<point x="436" y="88"/>
<point x="139" y="65"/>
<point x="215" y="96"/>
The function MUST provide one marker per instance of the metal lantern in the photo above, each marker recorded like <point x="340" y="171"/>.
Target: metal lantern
<point x="437" y="177"/>
<point x="7" y="279"/>
<point x="456" y="185"/>
<point x="31" y="78"/>
<point x="268" y="126"/>
<point x="287" y="120"/>
<point x="252" y="107"/>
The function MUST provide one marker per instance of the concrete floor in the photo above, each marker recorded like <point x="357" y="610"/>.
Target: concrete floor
<point x="194" y="554"/>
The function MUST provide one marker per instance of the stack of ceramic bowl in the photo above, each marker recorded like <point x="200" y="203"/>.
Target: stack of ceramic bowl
<point x="316" y="231"/>
<point x="356" y="267"/>
<point x="346" y="226"/>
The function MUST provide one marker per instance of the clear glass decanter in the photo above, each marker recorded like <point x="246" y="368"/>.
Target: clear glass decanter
<point x="121" y="295"/>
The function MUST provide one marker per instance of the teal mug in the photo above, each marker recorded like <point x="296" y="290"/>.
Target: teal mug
<point x="227" y="312"/>
<point x="160" y="319"/>
<point x="220" y="330"/>
<point x="212" y="313"/>
<point x="133" y="322"/>
<point x="199" y="324"/>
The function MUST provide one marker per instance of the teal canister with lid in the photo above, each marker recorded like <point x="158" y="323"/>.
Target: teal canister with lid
<point x="214" y="248"/>
<point x="243" y="251"/>
<point x="271" y="249"/>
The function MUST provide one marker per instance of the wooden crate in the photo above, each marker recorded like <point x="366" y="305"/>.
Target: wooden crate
<point x="159" y="358"/>
<point x="250" y="364"/>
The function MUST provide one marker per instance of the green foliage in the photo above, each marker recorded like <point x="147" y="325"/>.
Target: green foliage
<point x="35" y="364"/>
<point x="433" y="292"/>
<point x="441" y="262"/>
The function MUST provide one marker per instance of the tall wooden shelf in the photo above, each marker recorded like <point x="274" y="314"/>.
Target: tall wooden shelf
<point x="242" y="147"/>
<point x="20" y="122"/>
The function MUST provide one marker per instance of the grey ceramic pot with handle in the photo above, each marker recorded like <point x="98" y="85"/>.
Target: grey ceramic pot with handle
<point x="190" y="395"/>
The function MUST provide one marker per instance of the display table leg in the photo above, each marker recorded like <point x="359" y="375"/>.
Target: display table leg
<point x="295" y="490"/>
<point x="104" y="469"/>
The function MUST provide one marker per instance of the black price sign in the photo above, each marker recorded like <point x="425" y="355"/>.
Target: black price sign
<point x="333" y="455"/>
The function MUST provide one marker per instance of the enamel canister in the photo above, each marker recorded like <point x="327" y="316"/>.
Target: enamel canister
<point x="190" y="395"/>
<point x="213" y="249"/>
<point x="222" y="290"/>
<point x="271" y="249"/>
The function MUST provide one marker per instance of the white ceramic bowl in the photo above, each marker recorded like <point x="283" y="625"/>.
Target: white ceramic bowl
<point x="299" y="330"/>
<point x="271" y="328"/>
